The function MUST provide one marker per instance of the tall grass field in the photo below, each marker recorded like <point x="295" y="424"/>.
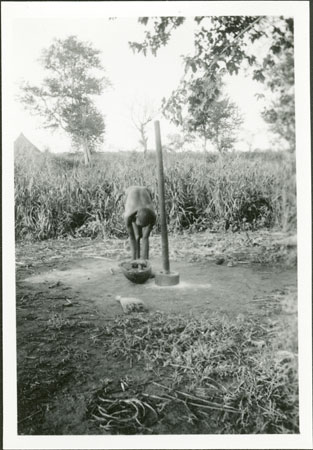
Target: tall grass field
<point x="56" y="196"/>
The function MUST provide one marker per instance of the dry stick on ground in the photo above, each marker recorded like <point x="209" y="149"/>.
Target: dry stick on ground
<point x="30" y="416"/>
<point x="207" y="403"/>
<point x="115" y="419"/>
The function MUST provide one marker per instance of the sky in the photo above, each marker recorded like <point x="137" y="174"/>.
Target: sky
<point x="136" y="79"/>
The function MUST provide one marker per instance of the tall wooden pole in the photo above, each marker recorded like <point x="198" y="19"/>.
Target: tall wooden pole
<point x="165" y="255"/>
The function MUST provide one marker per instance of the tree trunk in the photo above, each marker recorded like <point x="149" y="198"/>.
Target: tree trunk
<point x="144" y="139"/>
<point x="217" y="140"/>
<point x="87" y="154"/>
<point x="204" y="144"/>
<point x="217" y="143"/>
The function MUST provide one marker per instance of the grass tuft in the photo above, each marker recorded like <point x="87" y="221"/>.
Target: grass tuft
<point x="238" y="374"/>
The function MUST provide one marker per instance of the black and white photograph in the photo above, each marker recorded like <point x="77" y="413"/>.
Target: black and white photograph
<point x="156" y="225"/>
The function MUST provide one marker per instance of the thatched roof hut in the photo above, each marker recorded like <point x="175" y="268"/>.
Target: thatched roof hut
<point x="22" y="146"/>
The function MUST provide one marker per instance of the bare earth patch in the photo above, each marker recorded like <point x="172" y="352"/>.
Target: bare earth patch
<point x="210" y="355"/>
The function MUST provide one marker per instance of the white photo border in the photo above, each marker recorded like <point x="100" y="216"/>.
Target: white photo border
<point x="299" y="10"/>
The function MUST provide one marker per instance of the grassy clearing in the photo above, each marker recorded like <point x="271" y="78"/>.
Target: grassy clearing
<point x="168" y="374"/>
<point x="56" y="196"/>
<point x="257" y="247"/>
<point x="230" y="376"/>
<point x="82" y="373"/>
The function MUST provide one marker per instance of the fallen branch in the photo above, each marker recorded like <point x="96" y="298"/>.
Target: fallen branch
<point x="207" y="404"/>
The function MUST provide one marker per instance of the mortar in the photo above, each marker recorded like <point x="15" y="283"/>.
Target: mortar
<point x="137" y="271"/>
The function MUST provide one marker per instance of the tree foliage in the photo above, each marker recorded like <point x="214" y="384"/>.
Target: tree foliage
<point x="222" y="42"/>
<point x="279" y="112"/>
<point x="162" y="29"/>
<point x="176" y="141"/>
<point x="65" y="98"/>
<point x="210" y="115"/>
<point x="224" y="45"/>
<point x="222" y="123"/>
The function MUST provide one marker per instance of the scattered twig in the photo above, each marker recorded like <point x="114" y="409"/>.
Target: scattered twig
<point x="57" y="284"/>
<point x="151" y="409"/>
<point x="156" y="397"/>
<point x="109" y="419"/>
<point x="214" y="383"/>
<point x="30" y="416"/>
<point x="103" y="257"/>
<point x="207" y="404"/>
<point x="219" y="407"/>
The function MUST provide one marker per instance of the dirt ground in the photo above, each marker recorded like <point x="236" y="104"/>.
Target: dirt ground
<point x="203" y="286"/>
<point x="66" y="294"/>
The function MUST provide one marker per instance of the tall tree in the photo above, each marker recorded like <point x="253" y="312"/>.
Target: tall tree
<point x="225" y="44"/>
<point x="142" y="113"/>
<point x="222" y="124"/>
<point x="66" y="96"/>
<point x="213" y="118"/>
<point x="177" y="141"/>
